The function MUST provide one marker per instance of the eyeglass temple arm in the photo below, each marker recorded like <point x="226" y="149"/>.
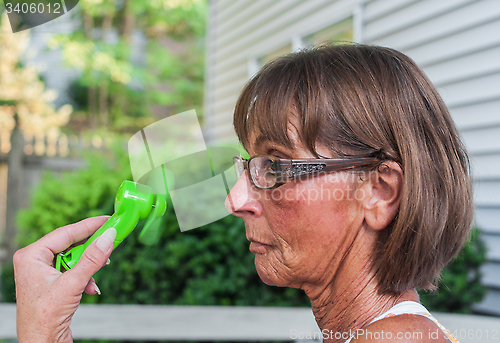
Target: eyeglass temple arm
<point x="348" y="163"/>
<point x="299" y="167"/>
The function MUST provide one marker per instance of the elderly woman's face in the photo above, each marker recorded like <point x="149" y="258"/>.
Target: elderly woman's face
<point x="299" y="231"/>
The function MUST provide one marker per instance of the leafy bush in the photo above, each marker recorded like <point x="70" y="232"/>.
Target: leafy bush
<point x="63" y="199"/>
<point x="8" y="285"/>
<point x="460" y="286"/>
<point x="210" y="265"/>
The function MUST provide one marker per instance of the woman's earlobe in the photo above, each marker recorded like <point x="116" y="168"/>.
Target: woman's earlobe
<point x="385" y="195"/>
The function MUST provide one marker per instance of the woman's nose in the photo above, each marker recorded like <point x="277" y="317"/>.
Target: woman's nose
<point x="243" y="198"/>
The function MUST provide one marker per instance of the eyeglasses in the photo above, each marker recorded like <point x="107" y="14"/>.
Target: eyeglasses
<point x="267" y="172"/>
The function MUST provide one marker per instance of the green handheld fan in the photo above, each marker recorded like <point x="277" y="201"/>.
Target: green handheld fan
<point x="133" y="202"/>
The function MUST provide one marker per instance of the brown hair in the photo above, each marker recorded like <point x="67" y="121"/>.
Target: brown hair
<point x="363" y="101"/>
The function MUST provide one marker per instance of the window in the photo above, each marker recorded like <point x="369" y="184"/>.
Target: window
<point x="275" y="54"/>
<point x="255" y="64"/>
<point x="341" y="31"/>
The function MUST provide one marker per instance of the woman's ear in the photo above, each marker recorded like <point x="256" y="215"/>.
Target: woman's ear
<point x="384" y="195"/>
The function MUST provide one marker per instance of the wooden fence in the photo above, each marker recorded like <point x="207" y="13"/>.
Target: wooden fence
<point x="35" y="154"/>
<point x="47" y="145"/>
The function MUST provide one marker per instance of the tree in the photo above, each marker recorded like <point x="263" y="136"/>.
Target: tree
<point x="22" y="93"/>
<point x="25" y="108"/>
<point x="123" y="83"/>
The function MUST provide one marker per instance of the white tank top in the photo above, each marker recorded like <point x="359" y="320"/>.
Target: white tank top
<point x="411" y="307"/>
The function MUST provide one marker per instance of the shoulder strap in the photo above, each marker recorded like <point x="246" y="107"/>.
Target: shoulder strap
<point x="412" y="307"/>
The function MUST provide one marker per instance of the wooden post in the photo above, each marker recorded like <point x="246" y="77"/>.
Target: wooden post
<point x="14" y="189"/>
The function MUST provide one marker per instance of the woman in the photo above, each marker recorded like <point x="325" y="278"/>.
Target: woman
<point x="357" y="191"/>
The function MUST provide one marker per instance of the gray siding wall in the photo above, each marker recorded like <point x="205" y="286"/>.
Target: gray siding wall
<point x="456" y="42"/>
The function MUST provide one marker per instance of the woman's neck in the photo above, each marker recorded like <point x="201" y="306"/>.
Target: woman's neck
<point x="340" y="314"/>
<point x="349" y="300"/>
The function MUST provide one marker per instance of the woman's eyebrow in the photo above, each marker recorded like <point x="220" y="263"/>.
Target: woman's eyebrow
<point x="265" y="145"/>
<point x="264" y="141"/>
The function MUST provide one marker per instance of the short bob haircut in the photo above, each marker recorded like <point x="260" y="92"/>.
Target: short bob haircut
<point x="363" y="100"/>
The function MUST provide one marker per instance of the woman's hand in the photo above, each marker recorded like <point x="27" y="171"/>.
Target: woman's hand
<point x="47" y="298"/>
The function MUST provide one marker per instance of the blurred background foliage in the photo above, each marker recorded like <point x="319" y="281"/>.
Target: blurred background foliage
<point x="25" y="103"/>
<point x="459" y="286"/>
<point x="139" y="61"/>
<point x="210" y="265"/>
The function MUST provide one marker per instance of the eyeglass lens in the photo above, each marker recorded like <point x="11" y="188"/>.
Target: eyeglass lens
<point x="260" y="168"/>
<point x="262" y="172"/>
<point x="239" y="166"/>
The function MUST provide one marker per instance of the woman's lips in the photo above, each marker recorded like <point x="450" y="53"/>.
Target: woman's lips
<point x="258" y="248"/>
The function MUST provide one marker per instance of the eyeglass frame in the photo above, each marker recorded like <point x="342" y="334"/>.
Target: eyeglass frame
<point x="297" y="168"/>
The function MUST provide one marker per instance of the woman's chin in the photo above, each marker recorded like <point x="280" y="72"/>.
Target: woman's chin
<point x="269" y="275"/>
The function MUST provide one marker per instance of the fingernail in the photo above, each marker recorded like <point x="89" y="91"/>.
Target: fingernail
<point x="106" y="240"/>
<point x="108" y="261"/>
<point x="95" y="287"/>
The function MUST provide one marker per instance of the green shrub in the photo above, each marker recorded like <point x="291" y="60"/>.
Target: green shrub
<point x="210" y="265"/>
<point x="7" y="284"/>
<point x="63" y="199"/>
<point x="459" y="286"/>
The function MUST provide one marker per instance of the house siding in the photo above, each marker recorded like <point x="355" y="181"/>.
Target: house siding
<point x="456" y="42"/>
